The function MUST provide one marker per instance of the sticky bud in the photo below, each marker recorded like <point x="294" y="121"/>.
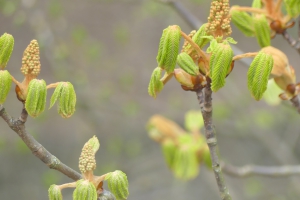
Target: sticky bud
<point x="5" y="83"/>
<point x="66" y="96"/>
<point x="184" y="78"/>
<point x="187" y="64"/>
<point x="243" y="21"/>
<point x="155" y="84"/>
<point x="36" y="97"/>
<point x="220" y="62"/>
<point x="262" y="30"/>
<point x="6" y="48"/>
<point x="85" y="190"/>
<point x="168" y="48"/>
<point x="118" y="184"/>
<point x="54" y="193"/>
<point x="258" y="74"/>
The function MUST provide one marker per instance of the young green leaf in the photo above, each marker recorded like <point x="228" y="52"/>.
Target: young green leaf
<point x="6" y="48"/>
<point x="219" y="63"/>
<point x="243" y="21"/>
<point x="5" y="84"/>
<point x="256" y="4"/>
<point x="258" y="74"/>
<point x="168" y="48"/>
<point x="186" y="63"/>
<point x="155" y="84"/>
<point x="85" y="190"/>
<point x="36" y="97"/>
<point x="54" y="193"/>
<point x="198" y="37"/>
<point x="118" y="184"/>
<point x="262" y="30"/>
<point x="193" y="120"/>
<point x="66" y="96"/>
<point x="169" y="150"/>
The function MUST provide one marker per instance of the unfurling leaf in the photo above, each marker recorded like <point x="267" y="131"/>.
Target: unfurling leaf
<point x="5" y="84"/>
<point x="85" y="190"/>
<point x="262" y="30"/>
<point x="198" y="37"/>
<point x="169" y="150"/>
<point x="258" y="74"/>
<point x="193" y="120"/>
<point x="36" y="97"/>
<point x="66" y="96"/>
<point x="118" y="184"/>
<point x="187" y="64"/>
<point x="168" y="48"/>
<point x="94" y="143"/>
<point x="256" y="4"/>
<point x="155" y="84"/>
<point x="292" y="7"/>
<point x="54" y="193"/>
<point x="6" y="48"/>
<point x="243" y="21"/>
<point x="219" y="64"/>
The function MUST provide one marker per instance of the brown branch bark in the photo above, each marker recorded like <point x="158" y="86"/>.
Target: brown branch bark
<point x="296" y="102"/>
<point x="270" y="171"/>
<point x="18" y="126"/>
<point x="205" y="101"/>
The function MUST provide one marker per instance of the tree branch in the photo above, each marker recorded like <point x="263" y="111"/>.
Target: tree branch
<point x="205" y="102"/>
<point x="296" y="102"/>
<point x="270" y="171"/>
<point x="18" y="125"/>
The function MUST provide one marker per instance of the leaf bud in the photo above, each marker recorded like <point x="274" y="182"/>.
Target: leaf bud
<point x="243" y="21"/>
<point x="5" y="83"/>
<point x="36" y="97"/>
<point x="168" y="48"/>
<point x="262" y="30"/>
<point x="220" y="64"/>
<point x="184" y="78"/>
<point x="258" y="74"/>
<point x="66" y="96"/>
<point x="155" y="84"/>
<point x="187" y="64"/>
<point x="54" y="193"/>
<point x="85" y="190"/>
<point x="6" y="48"/>
<point x="118" y="184"/>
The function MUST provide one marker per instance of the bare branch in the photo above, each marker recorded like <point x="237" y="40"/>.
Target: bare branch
<point x="205" y="102"/>
<point x="18" y="125"/>
<point x="250" y="170"/>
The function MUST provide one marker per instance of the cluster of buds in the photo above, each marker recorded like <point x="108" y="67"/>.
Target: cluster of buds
<point x="90" y="186"/>
<point x="219" y="19"/>
<point x="183" y="150"/>
<point x="31" y="60"/>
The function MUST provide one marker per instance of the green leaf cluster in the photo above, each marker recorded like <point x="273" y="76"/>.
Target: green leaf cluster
<point x="6" y="48"/>
<point x="5" y="84"/>
<point x="186" y="63"/>
<point x="258" y="74"/>
<point x="118" y="184"/>
<point x="36" y="97"/>
<point x="54" y="193"/>
<point x="66" y="96"/>
<point x="85" y="190"/>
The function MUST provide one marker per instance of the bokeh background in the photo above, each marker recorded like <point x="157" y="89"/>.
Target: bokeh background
<point x="107" y="49"/>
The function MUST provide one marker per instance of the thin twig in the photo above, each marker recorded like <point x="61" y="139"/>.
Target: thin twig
<point x="245" y="55"/>
<point x="205" y="102"/>
<point x="296" y="102"/>
<point x="18" y="125"/>
<point x="250" y="170"/>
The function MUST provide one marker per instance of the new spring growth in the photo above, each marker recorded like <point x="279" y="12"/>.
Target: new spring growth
<point x="6" y="48"/>
<point x="31" y="68"/>
<point x="36" y="97"/>
<point x="118" y="184"/>
<point x="54" y="193"/>
<point x="258" y="74"/>
<point x="168" y="48"/>
<point x="5" y="84"/>
<point x="219" y="19"/>
<point x="186" y="63"/>
<point x="87" y="162"/>
<point x="155" y="84"/>
<point x="66" y="96"/>
<point x="85" y="190"/>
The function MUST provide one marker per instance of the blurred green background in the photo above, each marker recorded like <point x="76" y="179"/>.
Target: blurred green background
<point x="107" y="49"/>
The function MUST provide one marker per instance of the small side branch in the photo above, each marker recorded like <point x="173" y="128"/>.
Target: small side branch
<point x="270" y="171"/>
<point x="293" y="43"/>
<point x="205" y="102"/>
<point x="18" y="125"/>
